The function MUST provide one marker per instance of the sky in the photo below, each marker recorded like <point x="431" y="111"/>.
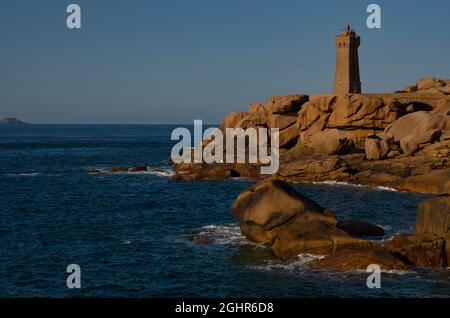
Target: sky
<point x="173" y="61"/>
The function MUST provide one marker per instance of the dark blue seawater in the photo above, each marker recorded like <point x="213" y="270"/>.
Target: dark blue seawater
<point x="144" y="235"/>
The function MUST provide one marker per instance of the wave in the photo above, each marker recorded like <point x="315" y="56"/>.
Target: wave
<point x="157" y="171"/>
<point x="386" y="188"/>
<point x="220" y="234"/>
<point x="28" y="174"/>
<point x="342" y="183"/>
<point x="385" y="271"/>
<point x="31" y="174"/>
<point x="298" y="263"/>
<point x="162" y="172"/>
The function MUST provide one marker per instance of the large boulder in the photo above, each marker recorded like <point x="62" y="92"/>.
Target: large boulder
<point x="311" y="168"/>
<point x="429" y="82"/>
<point x="377" y="146"/>
<point x="412" y="143"/>
<point x="286" y="104"/>
<point x="355" y="116"/>
<point x="314" y="114"/>
<point x="419" y="250"/>
<point x="415" y="131"/>
<point x="281" y="121"/>
<point x="420" y="124"/>
<point x="118" y="169"/>
<point x="232" y="119"/>
<point x="272" y="212"/>
<point x="138" y="168"/>
<point x="258" y="114"/>
<point x="214" y="171"/>
<point x="331" y="142"/>
<point x="433" y="217"/>
<point x="361" y="258"/>
<point x="258" y="209"/>
<point x="409" y="145"/>
<point x="436" y="181"/>
<point x="312" y="236"/>
<point x="429" y="246"/>
<point x="363" y="111"/>
<point x="288" y="137"/>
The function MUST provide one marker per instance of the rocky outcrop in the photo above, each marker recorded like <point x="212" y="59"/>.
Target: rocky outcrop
<point x="361" y="258"/>
<point x="377" y="147"/>
<point x="312" y="169"/>
<point x="11" y="121"/>
<point x="409" y="134"/>
<point x="435" y="181"/>
<point x="392" y="140"/>
<point x="255" y="117"/>
<point x="258" y="210"/>
<point x="272" y="212"/>
<point x="286" y="104"/>
<point x="282" y="114"/>
<point x="257" y="114"/>
<point x="429" y="85"/>
<point x="118" y="169"/>
<point x="433" y="217"/>
<point x="288" y="137"/>
<point x="422" y="124"/>
<point x="231" y="120"/>
<point x="354" y="115"/>
<point x="331" y="142"/>
<point x="429" y="246"/>
<point x="139" y="168"/>
<point x="417" y="250"/>
<point x="196" y="171"/>
<point x="362" y="111"/>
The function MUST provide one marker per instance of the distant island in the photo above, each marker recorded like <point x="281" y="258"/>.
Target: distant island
<point x="12" y="121"/>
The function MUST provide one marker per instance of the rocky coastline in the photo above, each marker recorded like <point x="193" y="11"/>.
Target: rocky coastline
<point x="399" y="140"/>
<point x="272" y="212"/>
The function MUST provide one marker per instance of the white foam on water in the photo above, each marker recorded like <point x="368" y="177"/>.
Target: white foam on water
<point x="333" y="182"/>
<point x="161" y="172"/>
<point x="220" y="234"/>
<point x="342" y="183"/>
<point x="26" y="174"/>
<point x="385" y="227"/>
<point x="386" y="188"/>
<point x="298" y="263"/>
<point x="385" y="271"/>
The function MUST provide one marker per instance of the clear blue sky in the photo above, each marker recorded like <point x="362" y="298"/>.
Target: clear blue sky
<point x="169" y="61"/>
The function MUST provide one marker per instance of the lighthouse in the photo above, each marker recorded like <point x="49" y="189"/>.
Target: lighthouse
<point x="346" y="74"/>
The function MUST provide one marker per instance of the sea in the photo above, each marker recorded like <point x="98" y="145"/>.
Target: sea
<point x="145" y="235"/>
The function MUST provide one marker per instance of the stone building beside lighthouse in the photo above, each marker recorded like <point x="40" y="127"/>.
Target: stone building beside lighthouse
<point x="346" y="74"/>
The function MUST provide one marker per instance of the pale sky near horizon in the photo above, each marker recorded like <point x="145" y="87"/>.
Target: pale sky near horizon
<point x="175" y="61"/>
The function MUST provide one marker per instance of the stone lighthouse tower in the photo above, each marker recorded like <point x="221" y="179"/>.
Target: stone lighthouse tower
<point x="346" y="74"/>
